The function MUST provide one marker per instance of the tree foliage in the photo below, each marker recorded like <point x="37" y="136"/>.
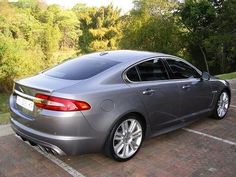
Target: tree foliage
<point x="17" y="59"/>
<point x="34" y="35"/>
<point x="210" y="33"/>
<point x="101" y="28"/>
<point x="151" y="26"/>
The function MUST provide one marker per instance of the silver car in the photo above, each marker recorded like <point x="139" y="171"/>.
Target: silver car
<point x="111" y="101"/>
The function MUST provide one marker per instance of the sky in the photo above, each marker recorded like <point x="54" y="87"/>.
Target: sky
<point x="124" y="5"/>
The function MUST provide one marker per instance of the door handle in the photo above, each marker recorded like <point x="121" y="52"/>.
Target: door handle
<point x="148" y="92"/>
<point x="186" y="86"/>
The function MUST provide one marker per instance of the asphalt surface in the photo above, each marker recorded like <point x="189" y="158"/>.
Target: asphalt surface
<point x="205" y="148"/>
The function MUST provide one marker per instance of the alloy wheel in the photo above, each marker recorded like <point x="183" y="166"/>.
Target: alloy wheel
<point x="127" y="138"/>
<point x="223" y="104"/>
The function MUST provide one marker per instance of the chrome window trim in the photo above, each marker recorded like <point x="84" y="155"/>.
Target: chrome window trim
<point x="126" y="79"/>
<point x="184" y="61"/>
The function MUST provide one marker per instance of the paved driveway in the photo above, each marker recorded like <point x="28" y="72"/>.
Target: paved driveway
<point x="205" y="148"/>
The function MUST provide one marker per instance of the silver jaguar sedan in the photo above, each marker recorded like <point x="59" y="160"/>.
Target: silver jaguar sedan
<point x="111" y="101"/>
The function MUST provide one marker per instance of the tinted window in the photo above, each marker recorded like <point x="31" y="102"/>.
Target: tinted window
<point x="132" y="75"/>
<point x="182" y="70"/>
<point x="79" y="69"/>
<point x="152" y="70"/>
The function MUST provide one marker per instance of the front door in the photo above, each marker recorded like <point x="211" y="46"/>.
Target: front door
<point x="195" y="94"/>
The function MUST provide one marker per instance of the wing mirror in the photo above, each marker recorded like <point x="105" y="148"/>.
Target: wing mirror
<point x="205" y="76"/>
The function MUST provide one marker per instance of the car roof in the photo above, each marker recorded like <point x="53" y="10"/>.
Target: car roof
<point x="125" y="55"/>
<point x="131" y="56"/>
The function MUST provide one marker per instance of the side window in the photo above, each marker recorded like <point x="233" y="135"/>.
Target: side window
<point x="132" y="74"/>
<point x="181" y="70"/>
<point x="152" y="70"/>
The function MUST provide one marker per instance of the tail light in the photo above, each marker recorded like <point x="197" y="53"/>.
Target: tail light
<point x="60" y="104"/>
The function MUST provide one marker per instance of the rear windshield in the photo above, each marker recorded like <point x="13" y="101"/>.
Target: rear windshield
<point x="79" y="69"/>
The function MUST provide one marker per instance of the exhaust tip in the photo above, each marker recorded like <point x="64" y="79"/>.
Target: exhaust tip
<point x="48" y="150"/>
<point x="32" y="143"/>
<point x="54" y="152"/>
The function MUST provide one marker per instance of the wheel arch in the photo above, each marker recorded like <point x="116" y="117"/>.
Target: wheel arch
<point x="136" y="113"/>
<point x="142" y="119"/>
<point x="133" y="112"/>
<point x="140" y="116"/>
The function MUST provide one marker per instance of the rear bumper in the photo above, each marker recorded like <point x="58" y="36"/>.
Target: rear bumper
<point x="62" y="145"/>
<point x="31" y="139"/>
<point x="66" y="133"/>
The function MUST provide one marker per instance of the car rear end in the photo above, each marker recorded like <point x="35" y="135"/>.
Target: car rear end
<point x="57" y="122"/>
<point x="54" y="123"/>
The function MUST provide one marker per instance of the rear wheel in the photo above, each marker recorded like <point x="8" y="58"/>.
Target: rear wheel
<point x="125" y="139"/>
<point x="222" y="106"/>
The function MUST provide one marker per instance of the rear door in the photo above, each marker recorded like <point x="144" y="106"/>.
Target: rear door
<point x="196" y="94"/>
<point x="159" y="95"/>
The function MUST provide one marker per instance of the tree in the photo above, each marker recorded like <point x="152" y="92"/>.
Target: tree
<point x="60" y="31"/>
<point x="66" y="21"/>
<point x="197" y="16"/>
<point x="30" y="36"/>
<point x="17" y="60"/>
<point x="210" y="31"/>
<point x="221" y="45"/>
<point x="19" y="56"/>
<point x="101" y="28"/>
<point x="151" y="26"/>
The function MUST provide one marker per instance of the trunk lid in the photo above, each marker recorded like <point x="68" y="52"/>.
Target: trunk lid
<point x="45" y="83"/>
<point x="26" y="89"/>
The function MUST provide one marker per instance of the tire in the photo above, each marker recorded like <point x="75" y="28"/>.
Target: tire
<point x="222" y="106"/>
<point x="125" y="138"/>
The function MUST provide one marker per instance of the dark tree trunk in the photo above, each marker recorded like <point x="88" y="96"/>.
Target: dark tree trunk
<point x="205" y="59"/>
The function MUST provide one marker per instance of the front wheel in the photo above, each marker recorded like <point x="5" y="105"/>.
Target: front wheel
<point x="125" y="139"/>
<point x="222" y="106"/>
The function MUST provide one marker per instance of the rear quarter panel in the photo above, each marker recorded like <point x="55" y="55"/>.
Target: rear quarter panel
<point x="109" y="102"/>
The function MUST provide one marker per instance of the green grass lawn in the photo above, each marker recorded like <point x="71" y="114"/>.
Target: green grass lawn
<point x="227" y="76"/>
<point x="4" y="113"/>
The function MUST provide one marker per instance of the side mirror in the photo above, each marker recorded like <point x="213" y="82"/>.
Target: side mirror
<point x="205" y="76"/>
